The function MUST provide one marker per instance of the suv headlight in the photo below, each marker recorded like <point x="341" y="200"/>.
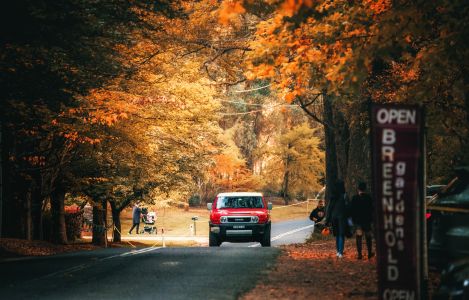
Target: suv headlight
<point x="223" y="219"/>
<point x="254" y="219"/>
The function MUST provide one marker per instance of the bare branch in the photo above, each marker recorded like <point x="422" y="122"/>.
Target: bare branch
<point x="304" y="107"/>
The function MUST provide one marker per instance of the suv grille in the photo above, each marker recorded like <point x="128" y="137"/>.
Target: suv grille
<point x="239" y="219"/>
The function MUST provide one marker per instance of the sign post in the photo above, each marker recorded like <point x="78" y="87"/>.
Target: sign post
<point x="397" y="153"/>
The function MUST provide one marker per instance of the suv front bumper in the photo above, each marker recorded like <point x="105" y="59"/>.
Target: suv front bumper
<point x="239" y="231"/>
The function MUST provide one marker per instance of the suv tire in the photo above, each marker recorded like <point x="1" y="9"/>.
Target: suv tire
<point x="265" y="239"/>
<point x="213" y="240"/>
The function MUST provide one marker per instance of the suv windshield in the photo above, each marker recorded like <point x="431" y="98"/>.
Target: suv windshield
<point x="240" y="202"/>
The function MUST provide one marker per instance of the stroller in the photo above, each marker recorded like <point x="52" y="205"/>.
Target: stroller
<point x="148" y="219"/>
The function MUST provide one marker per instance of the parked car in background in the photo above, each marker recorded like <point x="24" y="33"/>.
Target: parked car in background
<point x="454" y="282"/>
<point x="431" y="192"/>
<point x="449" y="211"/>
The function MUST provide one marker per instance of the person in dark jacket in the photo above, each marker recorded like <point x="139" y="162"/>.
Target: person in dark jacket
<point x="361" y="211"/>
<point x="337" y="215"/>
<point x="318" y="214"/>
<point x="136" y="211"/>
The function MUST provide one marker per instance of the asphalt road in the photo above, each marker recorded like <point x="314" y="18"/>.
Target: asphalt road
<point x="147" y="273"/>
<point x="286" y="232"/>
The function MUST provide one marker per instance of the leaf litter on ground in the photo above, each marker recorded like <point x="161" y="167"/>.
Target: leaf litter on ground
<point x="13" y="248"/>
<point x="312" y="271"/>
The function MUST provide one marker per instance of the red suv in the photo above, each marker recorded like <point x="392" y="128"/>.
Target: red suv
<point x="239" y="217"/>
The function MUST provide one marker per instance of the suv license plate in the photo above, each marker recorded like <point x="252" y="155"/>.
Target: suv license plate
<point x="238" y="227"/>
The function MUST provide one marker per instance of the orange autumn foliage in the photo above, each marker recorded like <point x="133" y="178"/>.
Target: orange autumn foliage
<point x="230" y="10"/>
<point x="230" y="174"/>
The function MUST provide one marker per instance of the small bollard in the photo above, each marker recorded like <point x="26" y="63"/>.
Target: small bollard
<point x="191" y="229"/>
<point x="195" y="218"/>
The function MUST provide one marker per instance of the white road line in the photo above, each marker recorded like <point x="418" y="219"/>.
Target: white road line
<point x="132" y="252"/>
<point x="290" y="232"/>
<point x="144" y="250"/>
<point x="83" y="266"/>
<point x="63" y="272"/>
<point x="285" y="234"/>
<point x="285" y="206"/>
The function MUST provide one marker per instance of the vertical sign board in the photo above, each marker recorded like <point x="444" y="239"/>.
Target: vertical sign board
<point x="397" y="135"/>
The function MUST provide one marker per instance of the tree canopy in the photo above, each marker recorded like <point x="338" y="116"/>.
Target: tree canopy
<point x="118" y="101"/>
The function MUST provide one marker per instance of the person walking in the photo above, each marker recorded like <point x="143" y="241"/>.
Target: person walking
<point x="136" y="211"/>
<point x="337" y="216"/>
<point x="361" y="211"/>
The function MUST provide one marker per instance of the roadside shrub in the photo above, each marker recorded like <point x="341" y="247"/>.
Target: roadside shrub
<point x="180" y="205"/>
<point x="73" y="222"/>
<point x="194" y="201"/>
<point x="73" y="225"/>
<point x="301" y="197"/>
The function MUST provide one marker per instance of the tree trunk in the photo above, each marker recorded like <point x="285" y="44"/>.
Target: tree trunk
<point x="36" y="210"/>
<point x="331" y="155"/>
<point x="99" y="225"/>
<point x="11" y="183"/>
<point x="59" y="232"/>
<point x="359" y="163"/>
<point x="286" y="179"/>
<point x="117" y="222"/>
<point x="28" y="215"/>
<point x="342" y="143"/>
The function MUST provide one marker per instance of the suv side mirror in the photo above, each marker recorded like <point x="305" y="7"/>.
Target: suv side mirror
<point x="269" y="206"/>
<point x="209" y="206"/>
